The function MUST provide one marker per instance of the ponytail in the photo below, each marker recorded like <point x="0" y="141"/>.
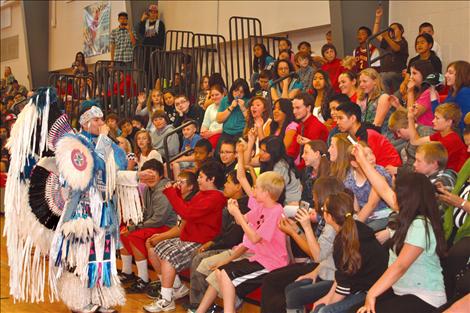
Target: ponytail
<point x="346" y="244"/>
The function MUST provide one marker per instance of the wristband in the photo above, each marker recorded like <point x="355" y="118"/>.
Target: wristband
<point x="229" y="109"/>
<point x="462" y="205"/>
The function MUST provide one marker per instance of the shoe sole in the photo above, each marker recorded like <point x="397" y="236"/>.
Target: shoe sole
<point x="163" y="310"/>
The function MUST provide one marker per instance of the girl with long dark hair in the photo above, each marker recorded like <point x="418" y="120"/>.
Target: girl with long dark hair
<point x="359" y="258"/>
<point x="417" y="243"/>
<point x="322" y="91"/>
<point x="233" y="110"/>
<point x="419" y="93"/>
<point x="283" y="123"/>
<point x="272" y="157"/>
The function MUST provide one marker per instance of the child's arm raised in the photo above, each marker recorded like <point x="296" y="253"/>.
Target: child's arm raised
<point x="378" y="182"/>
<point x="415" y="139"/>
<point x="240" y="220"/>
<point x="241" y="174"/>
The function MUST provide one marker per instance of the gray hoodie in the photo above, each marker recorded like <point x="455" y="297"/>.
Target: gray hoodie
<point x="157" y="210"/>
<point x="173" y="141"/>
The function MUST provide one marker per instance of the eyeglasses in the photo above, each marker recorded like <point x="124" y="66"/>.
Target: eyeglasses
<point x="226" y="152"/>
<point x="181" y="181"/>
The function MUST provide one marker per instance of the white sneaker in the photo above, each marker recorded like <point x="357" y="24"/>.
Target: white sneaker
<point x="180" y="292"/>
<point x="160" y="305"/>
<point x="90" y="308"/>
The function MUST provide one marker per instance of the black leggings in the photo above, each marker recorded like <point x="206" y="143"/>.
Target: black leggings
<point x="455" y="267"/>
<point x="273" y="299"/>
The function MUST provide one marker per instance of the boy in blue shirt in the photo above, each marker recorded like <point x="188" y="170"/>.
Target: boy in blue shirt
<point x="190" y="138"/>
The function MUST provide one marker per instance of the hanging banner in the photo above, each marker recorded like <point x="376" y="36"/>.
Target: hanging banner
<point x="96" y="23"/>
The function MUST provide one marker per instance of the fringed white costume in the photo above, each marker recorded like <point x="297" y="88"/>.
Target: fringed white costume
<point x="60" y="201"/>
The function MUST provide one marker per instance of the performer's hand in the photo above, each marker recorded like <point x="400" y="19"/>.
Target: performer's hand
<point x="104" y="130"/>
<point x="146" y="175"/>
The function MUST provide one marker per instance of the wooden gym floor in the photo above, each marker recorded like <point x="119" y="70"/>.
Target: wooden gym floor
<point x="134" y="302"/>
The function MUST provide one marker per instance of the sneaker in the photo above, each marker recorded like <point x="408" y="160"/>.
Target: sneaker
<point x="127" y="278"/>
<point x="215" y="309"/>
<point x="105" y="310"/>
<point x="90" y="308"/>
<point x="180" y="292"/>
<point x="160" y="305"/>
<point x="139" y="286"/>
<point x="154" y="289"/>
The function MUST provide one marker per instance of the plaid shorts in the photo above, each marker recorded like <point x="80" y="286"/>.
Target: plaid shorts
<point x="178" y="253"/>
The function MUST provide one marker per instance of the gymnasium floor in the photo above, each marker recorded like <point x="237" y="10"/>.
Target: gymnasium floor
<point x="134" y="303"/>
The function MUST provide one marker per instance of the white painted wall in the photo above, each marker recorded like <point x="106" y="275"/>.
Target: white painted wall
<point x="66" y="38"/>
<point x="18" y="66"/>
<point x="451" y="21"/>
<point x="213" y="16"/>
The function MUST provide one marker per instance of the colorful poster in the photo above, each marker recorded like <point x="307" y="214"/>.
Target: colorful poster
<point x="96" y="23"/>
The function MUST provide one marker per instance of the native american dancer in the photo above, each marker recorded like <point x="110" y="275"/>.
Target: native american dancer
<point x="61" y="201"/>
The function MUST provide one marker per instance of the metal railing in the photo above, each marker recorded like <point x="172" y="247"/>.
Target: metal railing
<point x="171" y="69"/>
<point x="167" y="153"/>
<point x="382" y="55"/>
<point x="209" y="55"/>
<point x="178" y="40"/>
<point x="271" y="43"/>
<point x="118" y="87"/>
<point x="241" y="30"/>
<point x="72" y="89"/>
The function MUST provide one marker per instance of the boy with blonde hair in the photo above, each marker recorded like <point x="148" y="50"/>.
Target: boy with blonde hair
<point x="431" y="160"/>
<point x="446" y="118"/>
<point x="237" y="278"/>
<point x="398" y="125"/>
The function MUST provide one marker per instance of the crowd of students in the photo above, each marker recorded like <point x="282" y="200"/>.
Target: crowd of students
<point x="342" y="188"/>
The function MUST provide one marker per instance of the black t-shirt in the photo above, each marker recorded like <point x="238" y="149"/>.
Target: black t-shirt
<point x="396" y="61"/>
<point x="434" y="59"/>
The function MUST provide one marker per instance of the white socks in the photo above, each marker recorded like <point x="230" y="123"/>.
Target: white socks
<point x="177" y="282"/>
<point x="142" y="270"/>
<point x="126" y="264"/>
<point x="167" y="293"/>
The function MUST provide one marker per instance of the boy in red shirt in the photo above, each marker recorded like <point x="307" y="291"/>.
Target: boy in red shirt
<point x="203" y="216"/>
<point x="348" y="118"/>
<point x="309" y="128"/>
<point x="446" y="118"/>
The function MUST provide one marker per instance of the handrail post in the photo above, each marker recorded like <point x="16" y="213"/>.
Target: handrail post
<point x="369" y="39"/>
<point x="165" y="146"/>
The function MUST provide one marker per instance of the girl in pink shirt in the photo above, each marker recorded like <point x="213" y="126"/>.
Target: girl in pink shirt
<point x="419" y="92"/>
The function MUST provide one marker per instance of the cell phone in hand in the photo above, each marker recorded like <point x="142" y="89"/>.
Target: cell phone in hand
<point x="351" y="140"/>
<point x="304" y="205"/>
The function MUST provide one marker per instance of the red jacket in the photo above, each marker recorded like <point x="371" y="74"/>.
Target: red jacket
<point x="312" y="129"/>
<point x="385" y="153"/>
<point x="203" y="213"/>
<point x="334" y="69"/>
<point x="125" y="85"/>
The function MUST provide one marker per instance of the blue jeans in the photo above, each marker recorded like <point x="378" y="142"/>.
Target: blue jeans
<point x="303" y="292"/>
<point x="342" y="306"/>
